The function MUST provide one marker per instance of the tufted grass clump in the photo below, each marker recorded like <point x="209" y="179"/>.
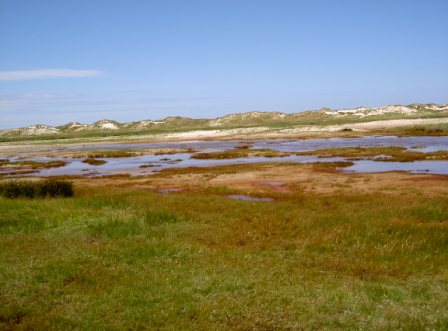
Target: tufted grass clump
<point x="28" y="189"/>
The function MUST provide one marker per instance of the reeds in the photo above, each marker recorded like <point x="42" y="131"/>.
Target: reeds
<point x="28" y="189"/>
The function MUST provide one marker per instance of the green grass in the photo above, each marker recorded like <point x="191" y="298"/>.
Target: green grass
<point x="133" y="259"/>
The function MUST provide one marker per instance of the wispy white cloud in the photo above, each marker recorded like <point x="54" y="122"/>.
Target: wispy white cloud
<point x="14" y="102"/>
<point x="47" y="73"/>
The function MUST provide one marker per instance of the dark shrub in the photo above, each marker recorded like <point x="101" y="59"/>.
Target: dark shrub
<point x="56" y="188"/>
<point x="48" y="188"/>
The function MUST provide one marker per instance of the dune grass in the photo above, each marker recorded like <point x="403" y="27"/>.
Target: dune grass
<point x="130" y="258"/>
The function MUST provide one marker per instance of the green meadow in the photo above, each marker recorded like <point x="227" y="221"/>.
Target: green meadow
<point x="130" y="258"/>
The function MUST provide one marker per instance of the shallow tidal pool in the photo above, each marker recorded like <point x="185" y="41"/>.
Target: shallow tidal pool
<point x="149" y="163"/>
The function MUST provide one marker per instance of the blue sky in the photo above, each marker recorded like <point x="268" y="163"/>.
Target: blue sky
<point x="64" y="61"/>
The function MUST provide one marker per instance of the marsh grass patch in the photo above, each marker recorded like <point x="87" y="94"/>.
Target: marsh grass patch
<point x="381" y="154"/>
<point x="93" y="161"/>
<point x="240" y="152"/>
<point x="123" y="223"/>
<point x="27" y="164"/>
<point x="112" y="154"/>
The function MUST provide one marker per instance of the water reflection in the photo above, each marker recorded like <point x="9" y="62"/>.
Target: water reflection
<point x="149" y="164"/>
<point x="248" y="198"/>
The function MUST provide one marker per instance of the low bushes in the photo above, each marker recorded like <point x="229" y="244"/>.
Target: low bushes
<point x="28" y="189"/>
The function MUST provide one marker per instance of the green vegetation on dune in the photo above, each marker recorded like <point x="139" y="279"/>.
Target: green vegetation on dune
<point x="95" y="134"/>
<point x="271" y="120"/>
<point x="130" y="259"/>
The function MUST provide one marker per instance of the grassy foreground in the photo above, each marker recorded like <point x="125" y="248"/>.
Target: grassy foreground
<point x="130" y="258"/>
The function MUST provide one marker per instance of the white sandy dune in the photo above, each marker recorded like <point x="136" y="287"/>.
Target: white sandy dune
<point x="374" y="125"/>
<point x="365" y="126"/>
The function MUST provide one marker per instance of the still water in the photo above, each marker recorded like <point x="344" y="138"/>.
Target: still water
<point x="149" y="164"/>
